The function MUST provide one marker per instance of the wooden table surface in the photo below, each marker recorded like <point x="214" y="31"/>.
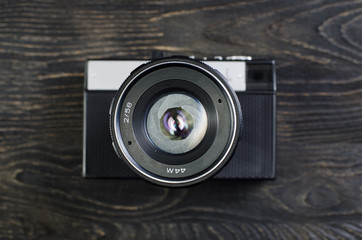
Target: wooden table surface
<point x="318" y="49"/>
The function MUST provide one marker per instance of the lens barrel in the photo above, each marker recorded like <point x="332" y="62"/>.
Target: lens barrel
<point x="175" y="121"/>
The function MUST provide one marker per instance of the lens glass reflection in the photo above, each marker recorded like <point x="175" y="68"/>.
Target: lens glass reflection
<point x="176" y="123"/>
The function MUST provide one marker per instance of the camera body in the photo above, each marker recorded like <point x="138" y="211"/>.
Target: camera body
<point x="252" y="157"/>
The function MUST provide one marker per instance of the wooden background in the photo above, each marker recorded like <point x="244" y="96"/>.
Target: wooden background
<point x="318" y="48"/>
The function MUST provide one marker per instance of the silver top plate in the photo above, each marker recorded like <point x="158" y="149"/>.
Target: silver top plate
<point x="108" y="75"/>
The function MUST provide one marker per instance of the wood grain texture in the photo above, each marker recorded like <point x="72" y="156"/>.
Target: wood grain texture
<point x="318" y="191"/>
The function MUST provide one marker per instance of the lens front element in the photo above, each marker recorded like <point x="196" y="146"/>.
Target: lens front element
<point x="176" y="123"/>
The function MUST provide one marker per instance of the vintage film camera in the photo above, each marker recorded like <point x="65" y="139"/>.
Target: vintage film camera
<point x="177" y="121"/>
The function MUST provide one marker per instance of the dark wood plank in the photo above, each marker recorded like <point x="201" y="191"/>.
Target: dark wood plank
<point x="318" y="48"/>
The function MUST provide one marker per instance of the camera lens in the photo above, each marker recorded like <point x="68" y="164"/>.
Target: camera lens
<point x="182" y="119"/>
<point x="176" y="123"/>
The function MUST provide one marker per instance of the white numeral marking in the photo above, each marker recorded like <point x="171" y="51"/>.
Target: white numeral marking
<point x="175" y="170"/>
